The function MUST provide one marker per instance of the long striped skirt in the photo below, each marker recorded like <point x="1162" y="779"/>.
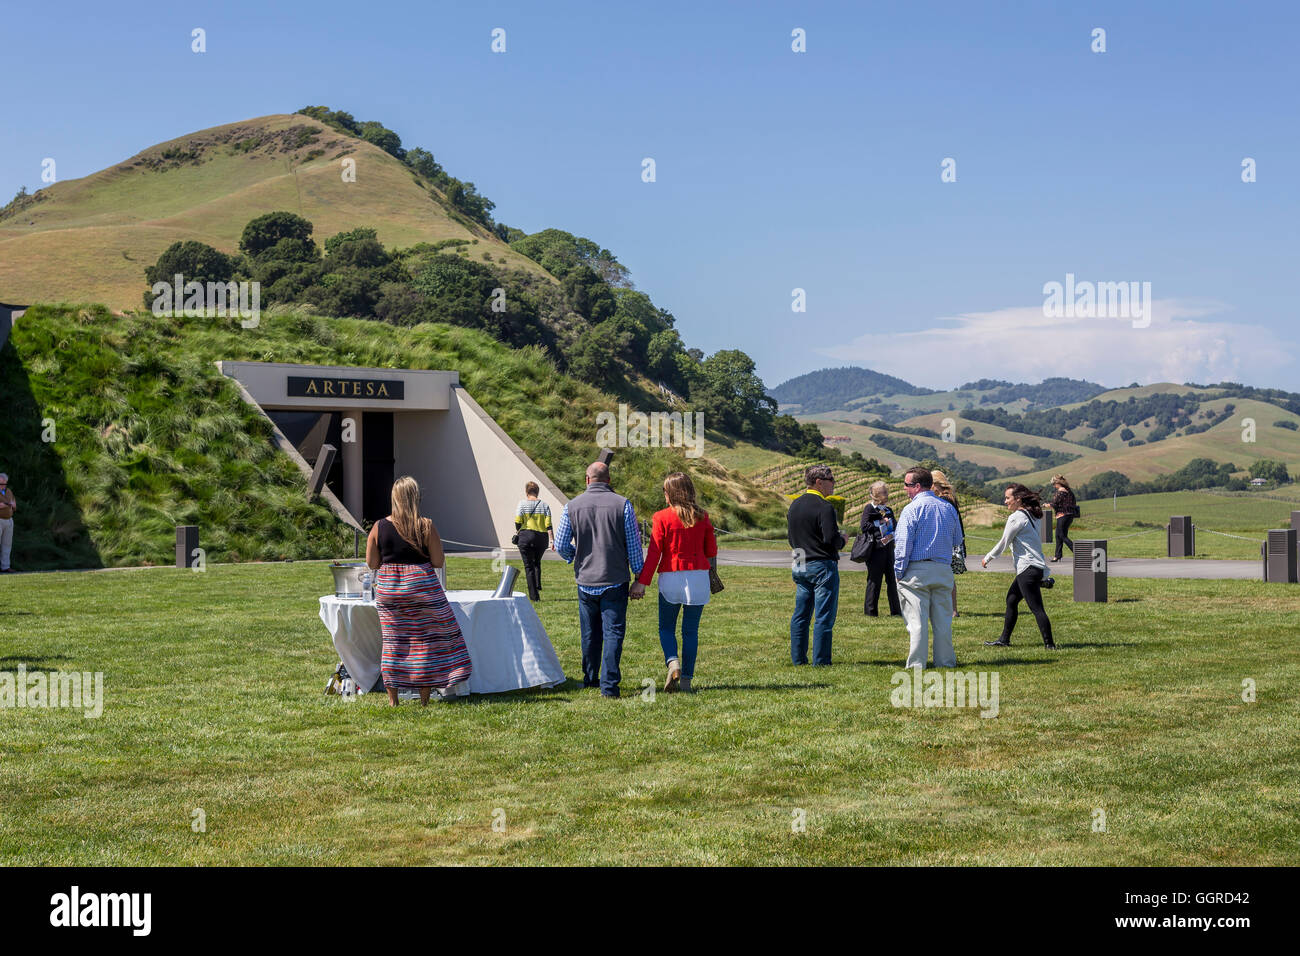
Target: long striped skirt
<point x="423" y="646"/>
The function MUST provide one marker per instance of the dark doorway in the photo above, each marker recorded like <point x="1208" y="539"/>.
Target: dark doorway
<point x="376" y="464"/>
<point x="308" y="431"/>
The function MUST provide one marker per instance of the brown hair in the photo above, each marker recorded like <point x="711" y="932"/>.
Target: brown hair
<point x="922" y="476"/>
<point x="814" y="473"/>
<point x="1029" y="500"/>
<point x="531" y="488"/>
<point x="680" y="491"/>
<point x="1060" y="480"/>
<point x="406" y="513"/>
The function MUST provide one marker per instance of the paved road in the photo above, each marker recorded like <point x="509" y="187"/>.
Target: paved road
<point x="1204" y="569"/>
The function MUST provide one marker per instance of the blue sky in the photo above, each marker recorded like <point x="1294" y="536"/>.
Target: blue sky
<point x="779" y="170"/>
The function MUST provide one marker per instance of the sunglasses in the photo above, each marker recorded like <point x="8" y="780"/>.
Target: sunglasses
<point x="911" y="484"/>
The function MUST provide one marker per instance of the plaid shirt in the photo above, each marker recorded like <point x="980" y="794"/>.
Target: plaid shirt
<point x="632" y="538"/>
<point x="929" y="529"/>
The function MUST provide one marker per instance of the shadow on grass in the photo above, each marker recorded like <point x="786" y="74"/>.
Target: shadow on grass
<point x="716" y="687"/>
<point x="1096" y="644"/>
<point x="11" y="662"/>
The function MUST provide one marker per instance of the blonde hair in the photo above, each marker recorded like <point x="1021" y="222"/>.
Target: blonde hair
<point x="944" y="490"/>
<point x="406" y="512"/>
<point x="879" y="492"/>
<point x="1060" y="480"/>
<point x="680" y="491"/>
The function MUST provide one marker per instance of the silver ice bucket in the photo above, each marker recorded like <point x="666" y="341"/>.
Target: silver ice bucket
<point x="347" y="578"/>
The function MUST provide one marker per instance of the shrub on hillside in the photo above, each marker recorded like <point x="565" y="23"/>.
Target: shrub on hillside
<point x="196" y="261"/>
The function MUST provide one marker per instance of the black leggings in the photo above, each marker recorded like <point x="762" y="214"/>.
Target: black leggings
<point x="1062" y="530"/>
<point x="1027" y="585"/>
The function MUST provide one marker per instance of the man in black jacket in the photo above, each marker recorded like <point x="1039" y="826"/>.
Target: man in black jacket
<point x="813" y="532"/>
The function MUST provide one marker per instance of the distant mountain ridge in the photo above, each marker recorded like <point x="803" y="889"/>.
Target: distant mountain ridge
<point x="842" y="388"/>
<point x="831" y="388"/>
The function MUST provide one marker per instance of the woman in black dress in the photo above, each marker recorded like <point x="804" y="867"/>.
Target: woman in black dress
<point x="878" y="523"/>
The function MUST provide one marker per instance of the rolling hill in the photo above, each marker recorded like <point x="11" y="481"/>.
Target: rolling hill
<point x="1218" y="411"/>
<point x="90" y="239"/>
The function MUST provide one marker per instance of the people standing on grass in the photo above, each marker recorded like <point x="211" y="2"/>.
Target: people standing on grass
<point x="424" y="649"/>
<point x="598" y="534"/>
<point x="1021" y="533"/>
<point x="8" y="505"/>
<point x="533" y="534"/>
<point x="878" y="523"/>
<point x="682" y="544"/>
<point x="943" y="489"/>
<point x="812" y="528"/>
<point x="1067" y="509"/>
<point x="929" y="531"/>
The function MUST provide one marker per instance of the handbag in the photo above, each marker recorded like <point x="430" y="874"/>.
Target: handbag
<point x="863" y="545"/>
<point x="514" y="539"/>
<point x="959" y="559"/>
<point x="715" y="582"/>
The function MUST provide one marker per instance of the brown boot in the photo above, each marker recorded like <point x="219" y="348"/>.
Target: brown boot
<point x="674" y="677"/>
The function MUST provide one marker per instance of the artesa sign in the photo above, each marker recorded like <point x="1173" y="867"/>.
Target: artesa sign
<point x="320" y="387"/>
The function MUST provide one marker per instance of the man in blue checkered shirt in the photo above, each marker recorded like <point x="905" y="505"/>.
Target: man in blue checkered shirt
<point x="598" y="534"/>
<point x="928" y="533"/>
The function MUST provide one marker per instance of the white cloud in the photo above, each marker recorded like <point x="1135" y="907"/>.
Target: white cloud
<point x="1023" y="345"/>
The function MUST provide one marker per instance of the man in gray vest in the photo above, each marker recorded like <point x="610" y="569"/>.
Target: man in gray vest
<point x="598" y="534"/>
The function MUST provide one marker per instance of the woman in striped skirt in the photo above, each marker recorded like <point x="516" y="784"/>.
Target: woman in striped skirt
<point x="423" y="645"/>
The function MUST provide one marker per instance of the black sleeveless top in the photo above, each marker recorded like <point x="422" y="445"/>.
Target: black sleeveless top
<point x="393" y="548"/>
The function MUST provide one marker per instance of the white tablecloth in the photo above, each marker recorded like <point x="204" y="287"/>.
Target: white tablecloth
<point x="507" y="644"/>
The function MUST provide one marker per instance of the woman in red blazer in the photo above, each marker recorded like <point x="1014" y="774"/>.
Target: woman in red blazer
<point x="681" y="544"/>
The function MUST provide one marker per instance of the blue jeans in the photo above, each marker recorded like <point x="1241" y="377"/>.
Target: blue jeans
<point x="690" y="632"/>
<point x="602" y="618"/>
<point x="817" y="595"/>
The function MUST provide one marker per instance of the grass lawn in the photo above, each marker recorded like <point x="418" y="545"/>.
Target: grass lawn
<point x="213" y="700"/>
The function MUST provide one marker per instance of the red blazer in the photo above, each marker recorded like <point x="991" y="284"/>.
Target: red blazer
<point x="675" y="547"/>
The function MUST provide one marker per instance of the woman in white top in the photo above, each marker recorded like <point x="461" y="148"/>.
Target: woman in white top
<point x="1021" y="533"/>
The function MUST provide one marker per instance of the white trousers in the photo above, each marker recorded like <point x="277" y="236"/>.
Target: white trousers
<point x="6" y="541"/>
<point x="925" y="591"/>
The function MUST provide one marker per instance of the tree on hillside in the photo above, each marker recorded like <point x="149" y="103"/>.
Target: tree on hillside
<point x="1270" y="470"/>
<point x="589" y="295"/>
<point x="596" y="356"/>
<point x="380" y="135"/>
<point x="1107" y="484"/>
<point x="262" y="233"/>
<point x="196" y="261"/>
<point x="561" y="252"/>
<point x="732" y="398"/>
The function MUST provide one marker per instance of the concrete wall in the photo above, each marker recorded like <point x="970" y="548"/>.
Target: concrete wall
<point x="471" y="473"/>
<point x="267" y="382"/>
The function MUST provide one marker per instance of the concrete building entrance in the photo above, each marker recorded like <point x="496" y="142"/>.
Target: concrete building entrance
<point x="390" y="422"/>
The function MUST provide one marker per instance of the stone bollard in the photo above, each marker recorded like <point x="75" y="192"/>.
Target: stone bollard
<point x="1090" y="570"/>
<point x="187" y="542"/>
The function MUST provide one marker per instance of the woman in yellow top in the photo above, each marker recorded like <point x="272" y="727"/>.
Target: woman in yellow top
<point x="533" y="522"/>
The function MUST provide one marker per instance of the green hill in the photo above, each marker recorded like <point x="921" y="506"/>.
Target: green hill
<point x="148" y="434"/>
<point x="90" y="239"/>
